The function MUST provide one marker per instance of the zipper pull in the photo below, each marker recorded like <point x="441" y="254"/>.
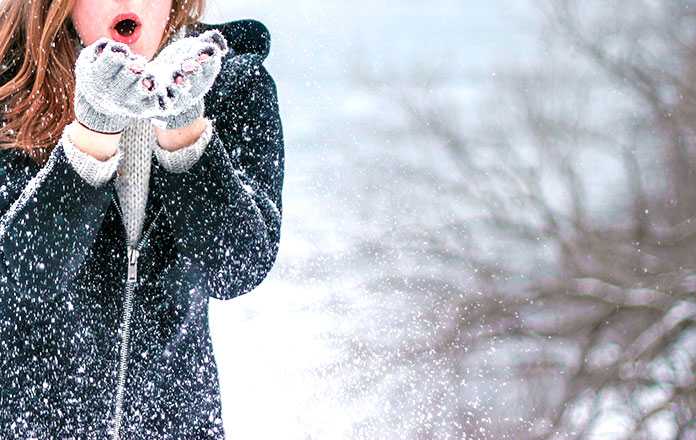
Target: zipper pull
<point x="133" y="265"/>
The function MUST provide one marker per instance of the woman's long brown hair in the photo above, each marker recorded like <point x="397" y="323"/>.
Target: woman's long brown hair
<point x="38" y="51"/>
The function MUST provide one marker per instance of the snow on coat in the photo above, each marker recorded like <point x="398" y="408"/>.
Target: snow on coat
<point x="212" y="231"/>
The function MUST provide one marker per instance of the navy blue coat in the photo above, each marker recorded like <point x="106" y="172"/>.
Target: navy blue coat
<point x="64" y="273"/>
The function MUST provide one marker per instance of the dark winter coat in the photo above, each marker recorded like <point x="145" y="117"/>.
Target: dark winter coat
<point x="64" y="294"/>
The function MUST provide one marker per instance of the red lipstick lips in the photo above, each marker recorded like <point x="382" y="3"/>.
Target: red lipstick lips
<point x="126" y="28"/>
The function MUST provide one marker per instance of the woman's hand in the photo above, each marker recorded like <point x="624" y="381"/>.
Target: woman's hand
<point x="109" y="88"/>
<point x="179" y="77"/>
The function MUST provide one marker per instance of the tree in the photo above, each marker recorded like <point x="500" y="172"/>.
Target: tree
<point x="550" y="244"/>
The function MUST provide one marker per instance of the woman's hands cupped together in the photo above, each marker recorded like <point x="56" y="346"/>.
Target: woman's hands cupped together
<point x="114" y="86"/>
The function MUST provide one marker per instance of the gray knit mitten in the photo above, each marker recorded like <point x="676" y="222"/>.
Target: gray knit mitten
<point x="108" y="86"/>
<point x="180" y="76"/>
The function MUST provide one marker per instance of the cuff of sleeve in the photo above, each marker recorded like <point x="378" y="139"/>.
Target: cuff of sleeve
<point x="96" y="121"/>
<point x="183" y="159"/>
<point x="93" y="170"/>
<point x="186" y="118"/>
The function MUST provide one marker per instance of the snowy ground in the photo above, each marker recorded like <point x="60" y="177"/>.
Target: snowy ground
<point x="270" y="343"/>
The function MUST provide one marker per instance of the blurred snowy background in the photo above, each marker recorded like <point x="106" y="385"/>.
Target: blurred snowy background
<point x="487" y="224"/>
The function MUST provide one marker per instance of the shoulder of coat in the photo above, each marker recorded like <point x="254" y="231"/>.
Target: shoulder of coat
<point x="243" y="36"/>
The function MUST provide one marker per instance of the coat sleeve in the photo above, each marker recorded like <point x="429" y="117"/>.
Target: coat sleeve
<point x="50" y="219"/>
<point x="226" y="210"/>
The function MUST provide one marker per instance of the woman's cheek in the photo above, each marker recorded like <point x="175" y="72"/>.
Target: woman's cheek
<point x="154" y="27"/>
<point x="87" y="29"/>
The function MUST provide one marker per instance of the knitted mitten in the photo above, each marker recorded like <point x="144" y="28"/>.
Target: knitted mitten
<point x="180" y="76"/>
<point x="108" y="86"/>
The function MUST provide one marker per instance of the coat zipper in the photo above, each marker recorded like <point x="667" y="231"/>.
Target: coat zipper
<point x="133" y="252"/>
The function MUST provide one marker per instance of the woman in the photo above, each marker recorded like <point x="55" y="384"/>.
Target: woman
<point x="108" y="256"/>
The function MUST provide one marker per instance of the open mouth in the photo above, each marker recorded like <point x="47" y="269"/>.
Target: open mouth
<point x="126" y="28"/>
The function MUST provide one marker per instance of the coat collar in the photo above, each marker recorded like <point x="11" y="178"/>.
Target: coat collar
<point x="153" y="202"/>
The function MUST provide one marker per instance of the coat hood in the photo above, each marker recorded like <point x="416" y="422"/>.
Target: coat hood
<point x="243" y="36"/>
